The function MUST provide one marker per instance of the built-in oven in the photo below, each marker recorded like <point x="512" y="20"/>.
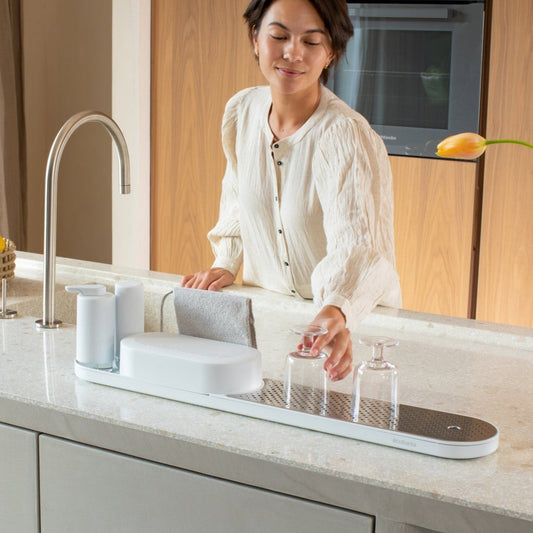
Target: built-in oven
<point x="413" y="70"/>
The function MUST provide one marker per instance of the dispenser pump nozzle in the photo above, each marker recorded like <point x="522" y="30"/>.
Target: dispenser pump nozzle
<point x="87" y="290"/>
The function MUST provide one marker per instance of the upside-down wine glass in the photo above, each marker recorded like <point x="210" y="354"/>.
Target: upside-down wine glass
<point x="305" y="385"/>
<point x="375" y="391"/>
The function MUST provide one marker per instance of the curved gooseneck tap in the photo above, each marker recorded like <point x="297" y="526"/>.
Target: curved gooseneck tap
<point x="50" y="209"/>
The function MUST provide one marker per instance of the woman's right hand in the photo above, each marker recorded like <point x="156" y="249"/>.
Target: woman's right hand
<point x="212" y="280"/>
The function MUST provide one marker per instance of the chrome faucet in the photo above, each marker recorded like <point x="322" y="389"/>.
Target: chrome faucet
<point x="50" y="208"/>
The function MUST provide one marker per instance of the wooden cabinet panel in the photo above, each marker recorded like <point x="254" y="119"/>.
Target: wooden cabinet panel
<point x="506" y="261"/>
<point x="87" y="489"/>
<point x="433" y="221"/>
<point x="19" y="508"/>
<point x="201" y="56"/>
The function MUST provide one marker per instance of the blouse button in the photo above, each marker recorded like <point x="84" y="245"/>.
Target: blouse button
<point x="279" y="163"/>
<point x="293" y="291"/>
<point x="280" y="232"/>
<point x="286" y="263"/>
<point x="276" y="145"/>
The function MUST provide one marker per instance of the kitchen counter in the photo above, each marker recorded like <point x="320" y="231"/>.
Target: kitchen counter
<point x="462" y="366"/>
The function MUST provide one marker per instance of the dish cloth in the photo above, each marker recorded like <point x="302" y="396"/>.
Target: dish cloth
<point x="215" y="315"/>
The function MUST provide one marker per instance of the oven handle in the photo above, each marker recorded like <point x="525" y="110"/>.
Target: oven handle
<point x="413" y="13"/>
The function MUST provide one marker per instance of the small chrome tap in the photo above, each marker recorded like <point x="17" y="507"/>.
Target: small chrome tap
<point x="50" y="208"/>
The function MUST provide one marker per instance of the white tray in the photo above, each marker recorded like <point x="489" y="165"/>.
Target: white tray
<point x="416" y="429"/>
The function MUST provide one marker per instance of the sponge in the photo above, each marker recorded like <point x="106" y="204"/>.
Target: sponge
<point x="215" y="315"/>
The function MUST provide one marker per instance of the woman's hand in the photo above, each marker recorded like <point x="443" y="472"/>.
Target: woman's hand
<point x="339" y="363"/>
<point x="212" y="280"/>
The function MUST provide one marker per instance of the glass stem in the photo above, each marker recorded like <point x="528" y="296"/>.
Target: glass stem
<point x="377" y="353"/>
<point x="307" y="343"/>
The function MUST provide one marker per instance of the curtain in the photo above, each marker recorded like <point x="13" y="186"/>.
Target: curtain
<point x="12" y="151"/>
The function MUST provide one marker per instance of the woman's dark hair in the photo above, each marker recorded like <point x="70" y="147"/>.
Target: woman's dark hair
<point x="334" y="14"/>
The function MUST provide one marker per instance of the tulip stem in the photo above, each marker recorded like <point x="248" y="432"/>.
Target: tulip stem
<point x="509" y="141"/>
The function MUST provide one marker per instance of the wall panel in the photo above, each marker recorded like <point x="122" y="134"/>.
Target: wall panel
<point x="200" y="57"/>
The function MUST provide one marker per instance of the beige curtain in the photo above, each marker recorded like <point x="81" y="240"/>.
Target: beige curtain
<point x="12" y="155"/>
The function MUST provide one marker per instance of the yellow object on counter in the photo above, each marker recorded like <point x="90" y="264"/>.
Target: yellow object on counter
<point x="7" y="258"/>
<point x="470" y="145"/>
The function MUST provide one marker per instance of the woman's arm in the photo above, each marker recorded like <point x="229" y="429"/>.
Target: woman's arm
<point x="354" y="184"/>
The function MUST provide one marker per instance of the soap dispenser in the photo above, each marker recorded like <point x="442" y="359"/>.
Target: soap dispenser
<point x="95" y="338"/>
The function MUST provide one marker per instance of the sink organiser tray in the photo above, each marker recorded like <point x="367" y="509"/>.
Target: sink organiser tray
<point x="415" y="429"/>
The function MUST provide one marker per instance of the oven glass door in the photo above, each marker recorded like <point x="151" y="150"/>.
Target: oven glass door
<point x="414" y="72"/>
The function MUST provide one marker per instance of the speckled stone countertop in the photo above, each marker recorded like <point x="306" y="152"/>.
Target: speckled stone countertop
<point x="462" y="366"/>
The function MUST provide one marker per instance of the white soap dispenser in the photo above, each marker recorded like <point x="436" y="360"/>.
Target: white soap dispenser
<point x="95" y="336"/>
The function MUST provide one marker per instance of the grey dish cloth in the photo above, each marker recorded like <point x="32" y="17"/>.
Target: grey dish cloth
<point x="215" y="315"/>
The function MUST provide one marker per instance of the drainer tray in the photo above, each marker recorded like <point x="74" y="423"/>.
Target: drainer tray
<point x="417" y="429"/>
<point x="409" y="420"/>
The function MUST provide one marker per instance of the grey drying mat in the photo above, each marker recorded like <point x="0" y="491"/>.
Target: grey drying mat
<point x="215" y="315"/>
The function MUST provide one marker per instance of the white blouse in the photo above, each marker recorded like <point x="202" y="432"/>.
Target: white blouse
<point x="312" y="214"/>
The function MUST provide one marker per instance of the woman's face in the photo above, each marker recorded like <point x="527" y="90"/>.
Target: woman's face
<point x="293" y="46"/>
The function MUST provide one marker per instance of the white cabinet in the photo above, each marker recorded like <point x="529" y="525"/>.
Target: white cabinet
<point x="86" y="489"/>
<point x="19" y="511"/>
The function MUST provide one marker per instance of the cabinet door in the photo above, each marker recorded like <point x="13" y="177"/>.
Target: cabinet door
<point x="506" y="261"/>
<point x="19" y="511"/>
<point x="433" y="226"/>
<point x="85" y="489"/>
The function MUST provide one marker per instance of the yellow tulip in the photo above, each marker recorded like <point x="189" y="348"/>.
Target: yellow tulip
<point x="462" y="146"/>
<point x="469" y="145"/>
<point x="2" y="244"/>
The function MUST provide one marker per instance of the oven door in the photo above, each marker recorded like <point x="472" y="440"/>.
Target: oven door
<point x="414" y="72"/>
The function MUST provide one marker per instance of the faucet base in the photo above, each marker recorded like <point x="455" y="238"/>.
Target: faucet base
<point x="48" y="325"/>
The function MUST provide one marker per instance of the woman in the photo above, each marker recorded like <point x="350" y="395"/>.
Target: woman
<point x="306" y="200"/>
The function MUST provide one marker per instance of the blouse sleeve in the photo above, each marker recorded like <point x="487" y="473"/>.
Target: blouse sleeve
<point x="354" y="183"/>
<point x="225" y="237"/>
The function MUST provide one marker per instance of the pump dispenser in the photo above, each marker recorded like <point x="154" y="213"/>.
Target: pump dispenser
<point x="95" y="340"/>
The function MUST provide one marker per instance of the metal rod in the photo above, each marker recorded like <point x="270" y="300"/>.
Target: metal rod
<point x="5" y="312"/>
<point x="4" y="285"/>
<point x="161" y="317"/>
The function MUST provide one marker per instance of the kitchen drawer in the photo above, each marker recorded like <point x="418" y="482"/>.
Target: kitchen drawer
<point x="19" y="510"/>
<point x="87" y="489"/>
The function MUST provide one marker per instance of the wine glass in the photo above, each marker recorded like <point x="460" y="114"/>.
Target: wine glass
<point x="305" y="385"/>
<point x="375" y="392"/>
